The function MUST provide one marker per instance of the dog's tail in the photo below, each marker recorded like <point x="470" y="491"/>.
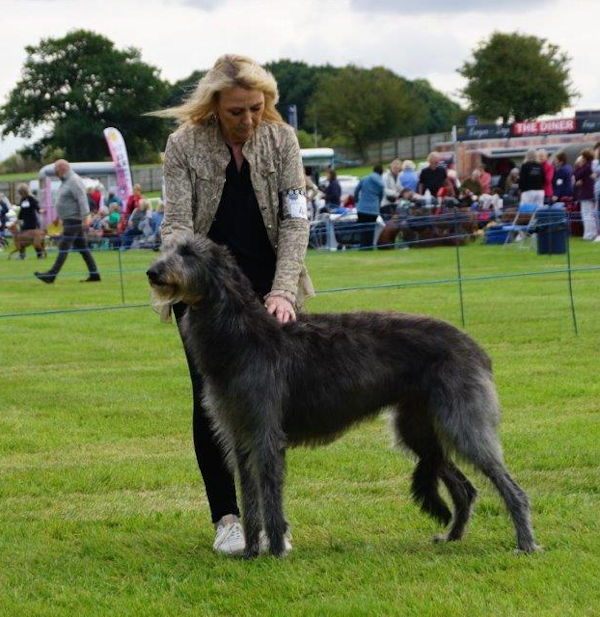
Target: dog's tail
<point x="425" y="492"/>
<point x="415" y="431"/>
<point x="466" y="414"/>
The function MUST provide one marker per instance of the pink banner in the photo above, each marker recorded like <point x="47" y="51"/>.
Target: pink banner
<point x="118" y="152"/>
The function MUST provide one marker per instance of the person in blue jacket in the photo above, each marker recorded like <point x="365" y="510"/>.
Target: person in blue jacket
<point x="563" y="177"/>
<point x="367" y="196"/>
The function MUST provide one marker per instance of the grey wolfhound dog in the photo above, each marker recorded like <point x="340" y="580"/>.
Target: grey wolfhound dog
<point x="269" y="386"/>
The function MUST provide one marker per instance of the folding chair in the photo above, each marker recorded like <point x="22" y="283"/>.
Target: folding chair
<point x="523" y="223"/>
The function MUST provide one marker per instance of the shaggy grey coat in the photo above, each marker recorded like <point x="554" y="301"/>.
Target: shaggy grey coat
<point x="270" y="386"/>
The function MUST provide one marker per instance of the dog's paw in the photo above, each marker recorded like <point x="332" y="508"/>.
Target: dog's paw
<point x="529" y="549"/>
<point x="444" y="537"/>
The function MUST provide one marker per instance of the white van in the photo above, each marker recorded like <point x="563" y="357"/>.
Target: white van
<point x="317" y="158"/>
<point x="94" y="174"/>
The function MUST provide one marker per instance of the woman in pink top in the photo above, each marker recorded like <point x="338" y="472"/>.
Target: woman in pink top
<point x="485" y="179"/>
<point x="548" y="173"/>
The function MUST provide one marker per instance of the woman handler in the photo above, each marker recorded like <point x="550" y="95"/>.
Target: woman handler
<point x="233" y="172"/>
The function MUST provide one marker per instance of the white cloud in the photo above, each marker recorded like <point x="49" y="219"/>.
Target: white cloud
<point x="435" y="7"/>
<point x="180" y="36"/>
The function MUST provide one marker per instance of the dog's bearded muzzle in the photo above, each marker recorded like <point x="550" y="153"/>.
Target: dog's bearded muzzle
<point x="163" y="285"/>
<point x="167" y="285"/>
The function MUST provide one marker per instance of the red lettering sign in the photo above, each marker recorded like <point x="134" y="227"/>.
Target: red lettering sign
<point x="544" y="127"/>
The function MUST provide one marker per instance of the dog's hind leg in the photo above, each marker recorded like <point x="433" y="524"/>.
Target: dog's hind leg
<point x="251" y="514"/>
<point x="414" y="430"/>
<point x="471" y="425"/>
<point x="463" y="494"/>
<point x="516" y="501"/>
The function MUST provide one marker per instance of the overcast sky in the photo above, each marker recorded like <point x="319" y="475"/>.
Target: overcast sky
<point x="420" y="39"/>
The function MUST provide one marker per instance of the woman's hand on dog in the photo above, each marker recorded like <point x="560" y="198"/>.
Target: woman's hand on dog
<point x="280" y="307"/>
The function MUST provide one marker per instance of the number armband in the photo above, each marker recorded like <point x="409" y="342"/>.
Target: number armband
<point x="293" y="203"/>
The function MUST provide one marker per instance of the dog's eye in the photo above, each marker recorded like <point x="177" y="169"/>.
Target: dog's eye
<point x="185" y="251"/>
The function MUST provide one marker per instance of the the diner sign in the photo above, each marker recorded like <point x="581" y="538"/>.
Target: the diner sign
<point x="544" y="127"/>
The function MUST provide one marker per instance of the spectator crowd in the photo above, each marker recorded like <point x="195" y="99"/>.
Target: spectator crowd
<point x="380" y="196"/>
<point x="111" y="224"/>
<point x="434" y="186"/>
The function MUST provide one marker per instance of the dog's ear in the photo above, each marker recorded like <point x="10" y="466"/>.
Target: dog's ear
<point x="219" y="273"/>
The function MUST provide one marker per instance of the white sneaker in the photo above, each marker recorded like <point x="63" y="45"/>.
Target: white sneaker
<point x="229" y="539"/>
<point x="597" y="238"/>
<point x="264" y="545"/>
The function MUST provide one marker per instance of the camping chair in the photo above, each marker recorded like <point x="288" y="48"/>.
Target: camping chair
<point x="523" y="223"/>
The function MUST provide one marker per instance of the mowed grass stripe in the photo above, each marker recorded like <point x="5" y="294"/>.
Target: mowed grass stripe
<point x="103" y="512"/>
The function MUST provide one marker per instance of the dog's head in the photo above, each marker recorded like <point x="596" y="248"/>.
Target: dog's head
<point x="188" y="270"/>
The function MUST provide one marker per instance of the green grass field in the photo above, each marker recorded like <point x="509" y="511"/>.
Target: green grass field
<point x="102" y="510"/>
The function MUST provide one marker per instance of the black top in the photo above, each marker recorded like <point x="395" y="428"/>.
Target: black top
<point x="531" y="177"/>
<point x="333" y="193"/>
<point x="239" y="225"/>
<point x="3" y="213"/>
<point x="29" y="212"/>
<point x="432" y="179"/>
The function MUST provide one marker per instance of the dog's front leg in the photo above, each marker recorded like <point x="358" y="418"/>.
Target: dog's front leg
<point x="250" y="504"/>
<point x="271" y="470"/>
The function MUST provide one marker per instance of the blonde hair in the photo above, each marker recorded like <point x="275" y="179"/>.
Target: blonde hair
<point x="229" y="71"/>
<point x="531" y="156"/>
<point x="23" y="189"/>
<point x="408" y="165"/>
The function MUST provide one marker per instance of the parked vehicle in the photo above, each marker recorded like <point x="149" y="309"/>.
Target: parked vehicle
<point x="94" y="174"/>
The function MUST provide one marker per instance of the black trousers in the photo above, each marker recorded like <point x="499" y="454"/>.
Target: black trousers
<point x="368" y="230"/>
<point x="218" y="478"/>
<point x="73" y="237"/>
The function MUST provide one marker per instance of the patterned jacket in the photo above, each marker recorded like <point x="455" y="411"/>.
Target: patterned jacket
<point x="194" y="170"/>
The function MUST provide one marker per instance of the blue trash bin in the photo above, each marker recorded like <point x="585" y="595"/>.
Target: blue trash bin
<point x="551" y="228"/>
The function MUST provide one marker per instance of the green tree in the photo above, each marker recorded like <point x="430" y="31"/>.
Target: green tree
<point x="77" y="86"/>
<point x="518" y="76"/>
<point x="298" y="83"/>
<point x="365" y="105"/>
<point x="440" y="112"/>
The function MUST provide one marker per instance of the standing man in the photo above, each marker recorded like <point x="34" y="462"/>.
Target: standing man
<point x="73" y="209"/>
<point x="368" y="195"/>
<point x="432" y="178"/>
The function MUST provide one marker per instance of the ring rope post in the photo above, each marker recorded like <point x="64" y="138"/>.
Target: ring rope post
<point x="121" y="276"/>
<point x="570" y="280"/>
<point x="459" y="270"/>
